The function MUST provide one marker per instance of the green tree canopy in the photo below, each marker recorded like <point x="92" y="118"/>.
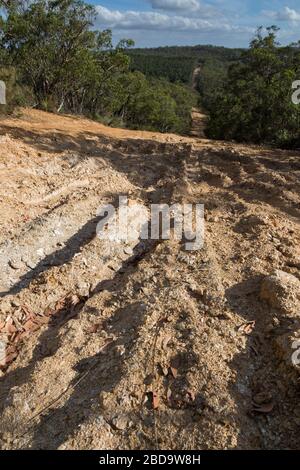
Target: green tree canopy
<point x="255" y="103"/>
<point x="56" y="51"/>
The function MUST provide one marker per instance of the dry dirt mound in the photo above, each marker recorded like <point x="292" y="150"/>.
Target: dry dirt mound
<point x="134" y="346"/>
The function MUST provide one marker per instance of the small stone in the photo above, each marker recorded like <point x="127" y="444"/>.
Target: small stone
<point x="105" y="399"/>
<point x="83" y="289"/>
<point x="282" y="291"/>
<point x="5" y="306"/>
<point x="120" y="422"/>
<point x="30" y="264"/>
<point x="15" y="264"/>
<point x="114" y="266"/>
<point x="40" y="252"/>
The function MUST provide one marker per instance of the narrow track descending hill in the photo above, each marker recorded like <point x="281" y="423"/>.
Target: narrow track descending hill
<point x="199" y="123"/>
<point x="138" y="346"/>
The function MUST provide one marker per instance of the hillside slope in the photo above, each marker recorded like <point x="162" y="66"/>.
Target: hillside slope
<point x="115" y="346"/>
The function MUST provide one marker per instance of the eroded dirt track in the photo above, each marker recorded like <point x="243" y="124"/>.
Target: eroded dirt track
<point x="119" y="346"/>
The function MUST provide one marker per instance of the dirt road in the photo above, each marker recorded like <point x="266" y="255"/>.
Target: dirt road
<point x="140" y="346"/>
<point x="199" y="123"/>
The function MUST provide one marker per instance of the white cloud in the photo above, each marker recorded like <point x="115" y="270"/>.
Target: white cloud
<point x="189" y="7"/>
<point x="173" y="5"/>
<point x="287" y="14"/>
<point x="148" y="20"/>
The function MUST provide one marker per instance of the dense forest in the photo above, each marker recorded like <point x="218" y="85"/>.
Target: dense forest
<point x="174" y="69"/>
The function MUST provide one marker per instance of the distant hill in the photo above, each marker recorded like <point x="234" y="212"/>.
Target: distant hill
<point x="177" y="64"/>
<point x="199" y="51"/>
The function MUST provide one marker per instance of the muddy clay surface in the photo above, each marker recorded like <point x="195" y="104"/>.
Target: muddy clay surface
<point x="111" y="345"/>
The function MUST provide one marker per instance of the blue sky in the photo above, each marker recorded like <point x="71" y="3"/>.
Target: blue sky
<point x="177" y="22"/>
